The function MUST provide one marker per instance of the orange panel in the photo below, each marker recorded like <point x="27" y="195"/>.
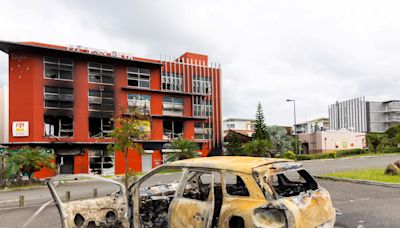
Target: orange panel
<point x="157" y="158"/>
<point x="81" y="163"/>
<point x="134" y="161"/>
<point x="45" y="172"/>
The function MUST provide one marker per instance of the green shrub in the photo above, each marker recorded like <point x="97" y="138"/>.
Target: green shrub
<point x="332" y="154"/>
<point x="391" y="149"/>
<point x="302" y="157"/>
<point x="344" y="153"/>
<point x="289" y="155"/>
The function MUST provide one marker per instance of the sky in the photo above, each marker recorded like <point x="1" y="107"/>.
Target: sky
<point x="315" y="52"/>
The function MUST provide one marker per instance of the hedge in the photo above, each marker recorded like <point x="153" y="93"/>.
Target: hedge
<point x="333" y="154"/>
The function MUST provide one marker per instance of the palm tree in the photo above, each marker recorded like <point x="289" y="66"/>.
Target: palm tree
<point x="186" y="149"/>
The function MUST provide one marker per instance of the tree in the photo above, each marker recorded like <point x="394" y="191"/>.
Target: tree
<point x="128" y="128"/>
<point x="293" y="144"/>
<point x="234" y="146"/>
<point x="258" y="148"/>
<point x="187" y="149"/>
<point x="375" y="139"/>
<point x="261" y="132"/>
<point x="280" y="140"/>
<point x="29" y="160"/>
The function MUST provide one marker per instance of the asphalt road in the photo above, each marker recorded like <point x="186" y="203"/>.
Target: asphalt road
<point x="362" y="205"/>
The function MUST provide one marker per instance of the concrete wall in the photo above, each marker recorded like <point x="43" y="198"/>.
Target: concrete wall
<point x="326" y="141"/>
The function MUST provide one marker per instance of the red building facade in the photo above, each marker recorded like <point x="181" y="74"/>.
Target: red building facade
<point x="62" y="98"/>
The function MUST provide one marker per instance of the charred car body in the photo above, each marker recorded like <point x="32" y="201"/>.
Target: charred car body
<point x="211" y="192"/>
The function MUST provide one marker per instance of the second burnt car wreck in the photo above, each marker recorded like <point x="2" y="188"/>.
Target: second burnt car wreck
<point x="207" y="192"/>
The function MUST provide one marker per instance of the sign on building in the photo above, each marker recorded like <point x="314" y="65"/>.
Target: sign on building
<point x="20" y="128"/>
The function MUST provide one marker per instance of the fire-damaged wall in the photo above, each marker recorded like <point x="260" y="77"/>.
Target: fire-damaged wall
<point x="54" y="102"/>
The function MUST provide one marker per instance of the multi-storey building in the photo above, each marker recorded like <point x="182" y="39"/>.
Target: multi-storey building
<point x="63" y="98"/>
<point x="311" y="126"/>
<point x="363" y="115"/>
<point x="244" y="126"/>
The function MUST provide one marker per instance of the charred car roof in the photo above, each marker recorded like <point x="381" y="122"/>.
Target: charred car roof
<point x="232" y="163"/>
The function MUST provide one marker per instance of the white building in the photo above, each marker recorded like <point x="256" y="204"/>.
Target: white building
<point x="243" y="126"/>
<point x="364" y="115"/>
<point x="320" y="124"/>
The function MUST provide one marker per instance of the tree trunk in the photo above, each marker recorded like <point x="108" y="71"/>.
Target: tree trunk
<point x="126" y="169"/>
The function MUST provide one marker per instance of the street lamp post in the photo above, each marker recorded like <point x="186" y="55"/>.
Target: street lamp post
<point x="294" y="115"/>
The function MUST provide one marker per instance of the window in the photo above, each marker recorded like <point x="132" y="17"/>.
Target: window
<point x="202" y="130"/>
<point x="138" y="77"/>
<point x="172" y="129"/>
<point x="202" y="106"/>
<point x="101" y="162"/>
<point x="55" y="68"/>
<point x="292" y="183"/>
<point x="198" y="186"/>
<point x="201" y="84"/>
<point x="172" y="81"/>
<point x="173" y="106"/>
<point x="101" y="73"/>
<point x="235" y="185"/>
<point x="101" y="100"/>
<point x="58" y="126"/>
<point x="141" y="101"/>
<point x="99" y="127"/>
<point x="58" y="97"/>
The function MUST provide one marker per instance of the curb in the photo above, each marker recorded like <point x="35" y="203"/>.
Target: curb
<point x="22" y="189"/>
<point x="354" y="181"/>
<point x="348" y="158"/>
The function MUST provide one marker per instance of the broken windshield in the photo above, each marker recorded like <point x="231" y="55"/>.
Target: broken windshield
<point x="284" y="180"/>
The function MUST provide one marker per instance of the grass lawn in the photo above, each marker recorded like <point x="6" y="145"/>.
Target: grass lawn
<point x="373" y="174"/>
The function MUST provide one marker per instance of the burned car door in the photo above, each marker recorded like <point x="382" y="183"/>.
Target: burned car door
<point x="193" y="205"/>
<point x="89" y="201"/>
<point x="241" y="195"/>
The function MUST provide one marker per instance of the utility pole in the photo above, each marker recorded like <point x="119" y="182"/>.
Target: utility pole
<point x="295" y="131"/>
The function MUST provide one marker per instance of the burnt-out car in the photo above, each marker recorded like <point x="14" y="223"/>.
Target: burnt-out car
<point x="206" y="192"/>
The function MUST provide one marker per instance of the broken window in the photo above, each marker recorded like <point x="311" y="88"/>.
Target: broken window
<point x="138" y="77"/>
<point x="172" y="105"/>
<point x="172" y="81"/>
<point x="156" y="194"/>
<point x="99" y="127"/>
<point x="56" y="68"/>
<point x="140" y="101"/>
<point x="202" y="106"/>
<point x="172" y="129"/>
<point x="101" y="100"/>
<point x="201" y="84"/>
<point x="58" y="97"/>
<point x="292" y="183"/>
<point x="101" y="162"/>
<point x="202" y="130"/>
<point x="235" y="185"/>
<point x="58" y="126"/>
<point x="198" y="186"/>
<point x="101" y="73"/>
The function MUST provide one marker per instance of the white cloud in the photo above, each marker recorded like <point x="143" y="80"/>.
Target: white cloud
<point x="314" y="51"/>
